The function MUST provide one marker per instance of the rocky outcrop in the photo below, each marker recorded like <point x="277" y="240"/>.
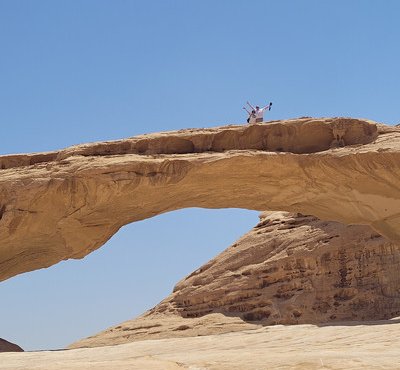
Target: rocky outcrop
<point x="6" y="346"/>
<point x="289" y="269"/>
<point x="296" y="269"/>
<point x="60" y="205"/>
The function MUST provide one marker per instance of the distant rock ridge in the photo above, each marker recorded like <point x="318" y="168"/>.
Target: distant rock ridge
<point x="65" y="204"/>
<point x="289" y="269"/>
<point x="6" y="346"/>
<point x="296" y="269"/>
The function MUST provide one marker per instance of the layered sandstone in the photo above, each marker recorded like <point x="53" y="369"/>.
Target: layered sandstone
<point x="289" y="269"/>
<point x="296" y="269"/>
<point x="65" y="204"/>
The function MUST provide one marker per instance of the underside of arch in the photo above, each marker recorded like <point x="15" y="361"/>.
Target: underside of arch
<point x="65" y="204"/>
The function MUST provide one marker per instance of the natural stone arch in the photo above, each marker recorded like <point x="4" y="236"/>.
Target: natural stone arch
<point x="65" y="204"/>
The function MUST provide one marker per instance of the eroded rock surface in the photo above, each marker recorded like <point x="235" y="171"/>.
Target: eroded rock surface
<point x="60" y="205"/>
<point x="296" y="269"/>
<point x="289" y="269"/>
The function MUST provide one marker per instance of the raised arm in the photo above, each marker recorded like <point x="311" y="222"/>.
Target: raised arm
<point x="266" y="107"/>
<point x="252" y="108"/>
<point x="248" y="112"/>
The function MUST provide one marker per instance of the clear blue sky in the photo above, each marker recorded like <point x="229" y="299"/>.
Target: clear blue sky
<point x="89" y="70"/>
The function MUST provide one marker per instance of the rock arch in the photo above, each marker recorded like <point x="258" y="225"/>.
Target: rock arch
<point x="65" y="204"/>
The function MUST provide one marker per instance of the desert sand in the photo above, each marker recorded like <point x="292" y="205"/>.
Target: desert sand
<point x="373" y="345"/>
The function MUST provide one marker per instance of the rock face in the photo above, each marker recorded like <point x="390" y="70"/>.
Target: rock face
<point x="289" y="269"/>
<point x="6" y="346"/>
<point x="60" y="205"/>
<point x="296" y="269"/>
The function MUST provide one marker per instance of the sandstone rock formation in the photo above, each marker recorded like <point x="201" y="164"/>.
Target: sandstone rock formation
<point x="289" y="269"/>
<point x="296" y="269"/>
<point x="6" y="346"/>
<point x="60" y="205"/>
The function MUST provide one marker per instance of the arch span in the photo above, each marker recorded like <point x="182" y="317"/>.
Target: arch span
<point x="60" y="205"/>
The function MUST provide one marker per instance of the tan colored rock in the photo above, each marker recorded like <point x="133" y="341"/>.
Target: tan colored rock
<point x="6" y="346"/>
<point x="289" y="269"/>
<point x="60" y="205"/>
<point x="155" y="325"/>
<point x="294" y="269"/>
<point x="368" y="345"/>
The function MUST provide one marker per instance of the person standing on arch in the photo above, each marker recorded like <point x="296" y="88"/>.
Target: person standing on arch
<point x="259" y="112"/>
<point x="252" y="115"/>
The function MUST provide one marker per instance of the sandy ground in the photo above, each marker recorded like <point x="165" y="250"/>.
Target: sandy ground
<point x="375" y="345"/>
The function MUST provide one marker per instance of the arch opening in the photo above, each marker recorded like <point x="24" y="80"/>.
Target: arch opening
<point x="134" y="271"/>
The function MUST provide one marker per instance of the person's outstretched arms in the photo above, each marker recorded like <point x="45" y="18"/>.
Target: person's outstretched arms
<point x="267" y="107"/>
<point x="252" y="108"/>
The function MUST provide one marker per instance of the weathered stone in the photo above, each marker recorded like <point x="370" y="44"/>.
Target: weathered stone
<point x="289" y="269"/>
<point x="60" y="205"/>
